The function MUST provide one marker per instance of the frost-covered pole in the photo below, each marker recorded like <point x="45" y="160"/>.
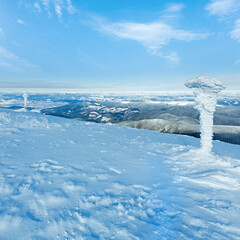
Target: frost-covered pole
<point x="25" y="97"/>
<point x="205" y="90"/>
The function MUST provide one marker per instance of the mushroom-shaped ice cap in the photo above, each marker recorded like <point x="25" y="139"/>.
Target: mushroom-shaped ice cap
<point x="205" y="83"/>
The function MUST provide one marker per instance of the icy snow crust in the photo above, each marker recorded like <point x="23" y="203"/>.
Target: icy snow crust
<point x="66" y="179"/>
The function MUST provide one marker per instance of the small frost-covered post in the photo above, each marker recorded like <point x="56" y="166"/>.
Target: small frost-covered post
<point x="25" y="97"/>
<point x="205" y="90"/>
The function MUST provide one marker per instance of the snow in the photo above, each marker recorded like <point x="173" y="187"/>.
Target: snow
<point x="25" y="97"/>
<point x="205" y="90"/>
<point x="67" y="179"/>
<point x="205" y="84"/>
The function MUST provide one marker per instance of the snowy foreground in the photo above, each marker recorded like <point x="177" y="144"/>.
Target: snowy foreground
<point x="66" y="179"/>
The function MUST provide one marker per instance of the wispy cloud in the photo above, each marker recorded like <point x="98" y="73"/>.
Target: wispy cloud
<point x="58" y="10"/>
<point x="235" y="33"/>
<point x="20" y="22"/>
<point x="52" y="7"/>
<point x="12" y="62"/>
<point x="172" y="12"/>
<point x="175" y="7"/>
<point x="153" y="36"/>
<point x="45" y="4"/>
<point x="227" y="8"/>
<point x="222" y="8"/>
<point x="172" y="58"/>
<point x="37" y="6"/>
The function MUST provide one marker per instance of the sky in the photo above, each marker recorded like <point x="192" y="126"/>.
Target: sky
<point x="127" y="44"/>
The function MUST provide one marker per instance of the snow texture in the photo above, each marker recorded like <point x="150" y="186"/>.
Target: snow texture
<point x="205" y="90"/>
<point x="66" y="179"/>
<point x="25" y="97"/>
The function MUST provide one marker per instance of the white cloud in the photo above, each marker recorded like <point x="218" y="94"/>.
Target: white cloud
<point x="227" y="8"/>
<point x="37" y="6"/>
<point x="58" y="10"/>
<point x="12" y="62"/>
<point x="51" y="7"/>
<point x="173" y="58"/>
<point x="20" y="22"/>
<point x="175" y="7"/>
<point x="235" y="34"/>
<point x="152" y="35"/>
<point x="172" y="12"/>
<point x="45" y="4"/>
<point x="223" y="8"/>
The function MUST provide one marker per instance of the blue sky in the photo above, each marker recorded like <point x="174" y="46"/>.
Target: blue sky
<point x="145" y="44"/>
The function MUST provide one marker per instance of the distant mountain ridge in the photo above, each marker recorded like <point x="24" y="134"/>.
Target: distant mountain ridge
<point x="161" y="117"/>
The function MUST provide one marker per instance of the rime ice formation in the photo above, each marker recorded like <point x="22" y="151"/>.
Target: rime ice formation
<point x="25" y="97"/>
<point x="205" y="90"/>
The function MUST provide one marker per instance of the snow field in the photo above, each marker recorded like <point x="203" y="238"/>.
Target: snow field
<point x="66" y="179"/>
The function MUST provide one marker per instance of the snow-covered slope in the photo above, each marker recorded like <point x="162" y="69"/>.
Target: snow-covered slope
<point x="66" y="179"/>
<point x="187" y="126"/>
